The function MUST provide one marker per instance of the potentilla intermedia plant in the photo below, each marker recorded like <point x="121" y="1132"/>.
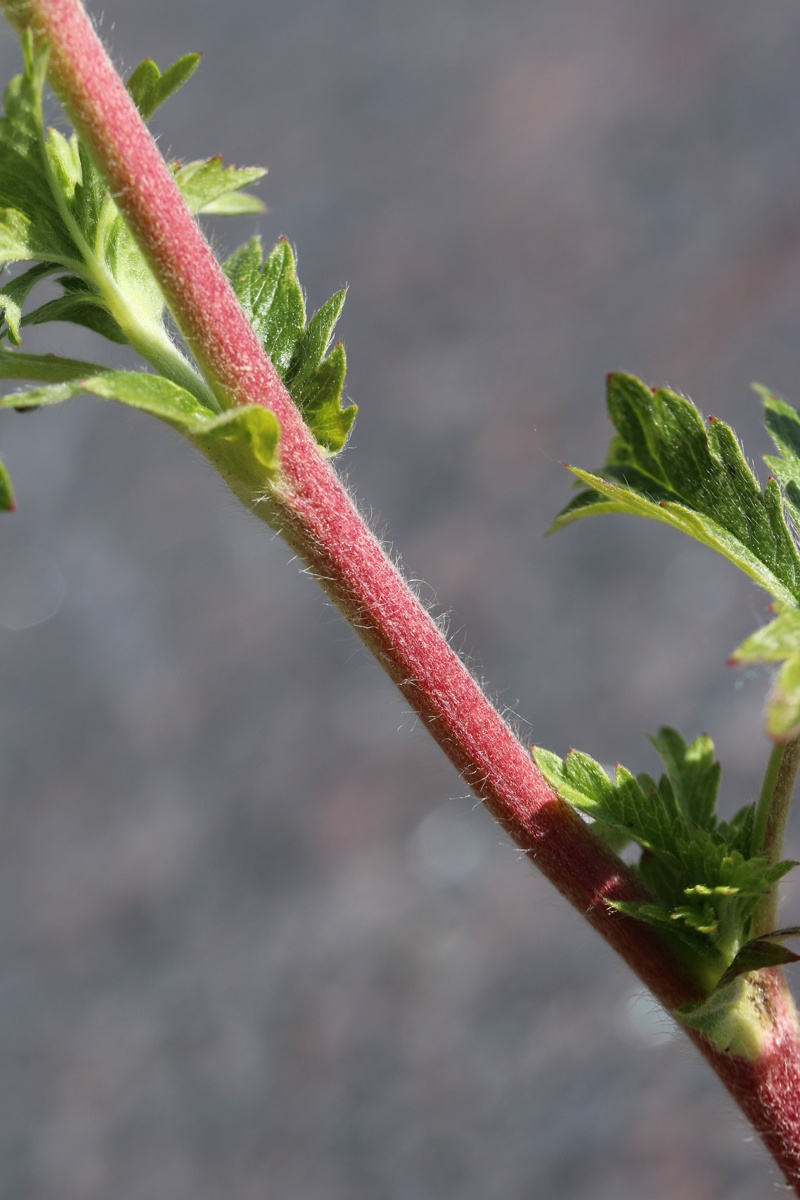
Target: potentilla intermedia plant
<point x="232" y="361"/>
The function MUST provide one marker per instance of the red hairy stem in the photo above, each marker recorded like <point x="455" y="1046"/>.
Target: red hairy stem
<point x="318" y="518"/>
<point x="315" y="513"/>
<point x="767" y="1088"/>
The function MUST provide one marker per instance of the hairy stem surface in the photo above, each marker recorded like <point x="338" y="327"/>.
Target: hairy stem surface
<point x="314" y="512"/>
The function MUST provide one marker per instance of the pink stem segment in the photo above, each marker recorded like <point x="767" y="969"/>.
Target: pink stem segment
<point x="318" y="518"/>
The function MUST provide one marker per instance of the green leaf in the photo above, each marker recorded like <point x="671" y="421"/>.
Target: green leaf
<point x="90" y="203"/>
<point x="694" y="774"/>
<point x="14" y="295"/>
<point x="320" y="401"/>
<point x="110" y="288"/>
<point x="208" y="187"/>
<point x="622" y="805"/>
<point x="666" y="465"/>
<point x="705" y="884"/>
<point x="243" y="269"/>
<point x="32" y="225"/>
<point x="65" y="162"/>
<point x="59" y="215"/>
<point x="778" y="642"/>
<point x="44" y="368"/>
<point x="82" y="305"/>
<point x="673" y="924"/>
<point x="242" y="444"/>
<point x="731" y="1017"/>
<point x="783" y="423"/>
<point x="149" y="88"/>
<point x="760" y="952"/>
<point x="235" y="204"/>
<point x="738" y="832"/>
<point x="272" y="300"/>
<point x="55" y="210"/>
<point x="313" y="343"/>
<point x="17" y="236"/>
<point x="151" y="393"/>
<point x="6" y="491"/>
<point x="133" y="279"/>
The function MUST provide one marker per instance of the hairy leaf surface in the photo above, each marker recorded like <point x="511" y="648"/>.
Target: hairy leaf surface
<point x="149" y="87"/>
<point x="272" y="299"/>
<point x="57" y="214"/>
<point x="667" y="465"/>
<point x="55" y="211"/>
<point x="208" y="187"/>
<point x="242" y="443"/>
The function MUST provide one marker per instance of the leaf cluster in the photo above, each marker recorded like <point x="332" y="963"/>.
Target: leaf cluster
<point x="59" y="220"/>
<point x="59" y="215"/>
<point x="667" y="464"/>
<point x="273" y="302"/>
<point x="704" y="877"/>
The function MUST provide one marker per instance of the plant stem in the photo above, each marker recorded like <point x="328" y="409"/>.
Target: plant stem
<point x="311" y="508"/>
<point x="769" y="825"/>
<point x="315" y="514"/>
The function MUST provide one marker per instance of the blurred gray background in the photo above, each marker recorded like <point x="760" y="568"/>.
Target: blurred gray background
<point x="255" y="940"/>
